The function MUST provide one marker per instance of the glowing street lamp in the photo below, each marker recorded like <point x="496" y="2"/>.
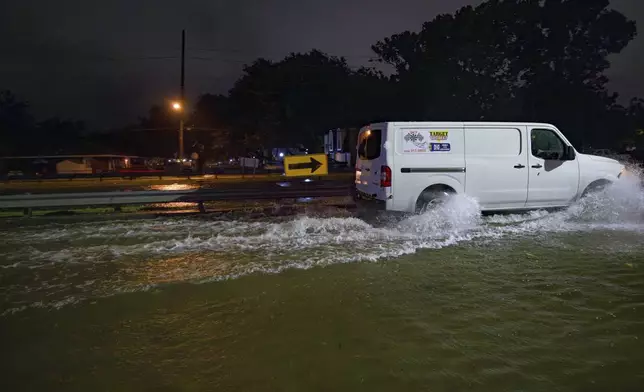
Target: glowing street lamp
<point x="178" y="107"/>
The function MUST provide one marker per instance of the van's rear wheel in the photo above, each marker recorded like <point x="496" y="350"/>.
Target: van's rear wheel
<point x="432" y="199"/>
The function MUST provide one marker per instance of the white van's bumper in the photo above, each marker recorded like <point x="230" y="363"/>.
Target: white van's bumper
<point x="368" y="202"/>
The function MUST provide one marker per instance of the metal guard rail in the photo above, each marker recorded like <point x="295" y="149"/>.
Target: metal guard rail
<point x="56" y="200"/>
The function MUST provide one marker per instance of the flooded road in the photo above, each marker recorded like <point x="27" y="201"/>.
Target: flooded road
<point x="444" y="301"/>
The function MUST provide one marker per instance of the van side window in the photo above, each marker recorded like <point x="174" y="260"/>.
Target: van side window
<point x="370" y="144"/>
<point x="547" y="145"/>
<point x="493" y="142"/>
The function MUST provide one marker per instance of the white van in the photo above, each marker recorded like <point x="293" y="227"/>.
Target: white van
<point x="406" y="166"/>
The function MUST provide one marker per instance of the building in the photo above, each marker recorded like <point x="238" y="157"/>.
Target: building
<point x="64" y="164"/>
<point x="334" y="145"/>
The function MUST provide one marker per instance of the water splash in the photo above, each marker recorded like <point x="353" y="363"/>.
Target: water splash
<point x="622" y="202"/>
<point x="457" y="214"/>
<point x="60" y="264"/>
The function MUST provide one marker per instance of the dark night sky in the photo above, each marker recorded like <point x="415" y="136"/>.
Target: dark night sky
<point x="105" y="63"/>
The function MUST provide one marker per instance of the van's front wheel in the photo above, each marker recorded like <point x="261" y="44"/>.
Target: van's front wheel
<point x="432" y="198"/>
<point x="595" y="187"/>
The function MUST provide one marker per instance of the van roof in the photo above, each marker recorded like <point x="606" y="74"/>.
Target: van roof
<point x="459" y="123"/>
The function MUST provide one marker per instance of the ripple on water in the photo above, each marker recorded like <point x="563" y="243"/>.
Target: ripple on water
<point x="58" y="264"/>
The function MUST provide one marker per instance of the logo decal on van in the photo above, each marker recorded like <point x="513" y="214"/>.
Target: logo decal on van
<point x="440" y="147"/>
<point x="417" y="139"/>
<point x="414" y="137"/>
<point x="438" y="135"/>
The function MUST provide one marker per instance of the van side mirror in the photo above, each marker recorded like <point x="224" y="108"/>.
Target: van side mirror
<point x="569" y="153"/>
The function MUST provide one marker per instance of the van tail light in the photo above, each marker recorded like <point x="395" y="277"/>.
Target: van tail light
<point x="385" y="176"/>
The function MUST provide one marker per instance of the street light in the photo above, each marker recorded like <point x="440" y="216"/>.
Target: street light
<point x="177" y="106"/>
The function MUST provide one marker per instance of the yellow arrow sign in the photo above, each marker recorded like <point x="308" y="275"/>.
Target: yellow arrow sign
<point x="306" y="165"/>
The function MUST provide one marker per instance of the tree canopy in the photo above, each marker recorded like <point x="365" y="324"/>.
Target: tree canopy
<point x="512" y="60"/>
<point x="294" y="100"/>
<point x="504" y="60"/>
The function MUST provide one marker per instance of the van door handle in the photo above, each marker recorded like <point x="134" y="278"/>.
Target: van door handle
<point x="537" y="166"/>
<point x="519" y="166"/>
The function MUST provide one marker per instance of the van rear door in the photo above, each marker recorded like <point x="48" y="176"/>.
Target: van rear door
<point x="373" y="176"/>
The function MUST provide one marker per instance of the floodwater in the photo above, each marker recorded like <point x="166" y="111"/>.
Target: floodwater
<point x="445" y="301"/>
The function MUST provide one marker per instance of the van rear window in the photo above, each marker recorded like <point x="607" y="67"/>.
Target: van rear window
<point x="369" y="144"/>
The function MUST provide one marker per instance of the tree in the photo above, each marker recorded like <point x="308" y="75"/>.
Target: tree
<point x="16" y="124"/>
<point x="58" y="136"/>
<point x="210" y="121"/>
<point x="454" y="68"/>
<point x="634" y="116"/>
<point x="636" y="113"/>
<point x="156" y="135"/>
<point x="296" y="100"/>
<point x="511" y="60"/>
<point x="160" y="118"/>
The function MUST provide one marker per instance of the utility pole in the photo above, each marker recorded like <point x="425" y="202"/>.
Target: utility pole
<point x="183" y="103"/>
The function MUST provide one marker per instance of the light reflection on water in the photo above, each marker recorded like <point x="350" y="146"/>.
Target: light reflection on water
<point x="181" y="206"/>
<point x="174" y="205"/>
<point x="174" y="187"/>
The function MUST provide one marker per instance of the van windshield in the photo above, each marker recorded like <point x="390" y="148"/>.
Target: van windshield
<point x="369" y="144"/>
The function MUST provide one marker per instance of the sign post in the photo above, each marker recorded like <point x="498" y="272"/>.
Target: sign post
<point x="306" y="165"/>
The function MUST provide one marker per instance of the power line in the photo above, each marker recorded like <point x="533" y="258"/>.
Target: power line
<point x="142" y="58"/>
<point x="236" y="61"/>
<point x="90" y="59"/>
<point x="364" y="56"/>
